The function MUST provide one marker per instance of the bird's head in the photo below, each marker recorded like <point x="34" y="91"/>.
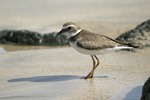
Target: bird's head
<point x="70" y="29"/>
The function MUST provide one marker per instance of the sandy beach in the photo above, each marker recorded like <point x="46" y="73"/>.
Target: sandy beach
<point x="54" y="74"/>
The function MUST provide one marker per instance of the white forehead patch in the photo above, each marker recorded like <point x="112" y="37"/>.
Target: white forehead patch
<point x="64" y="27"/>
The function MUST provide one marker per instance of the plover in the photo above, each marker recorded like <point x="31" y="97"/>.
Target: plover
<point x="93" y="44"/>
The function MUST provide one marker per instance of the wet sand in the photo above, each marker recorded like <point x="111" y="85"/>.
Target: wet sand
<point x="50" y="74"/>
<point x="130" y="92"/>
<point x="55" y="73"/>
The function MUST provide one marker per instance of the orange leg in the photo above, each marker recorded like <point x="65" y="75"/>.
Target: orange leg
<point x="90" y="75"/>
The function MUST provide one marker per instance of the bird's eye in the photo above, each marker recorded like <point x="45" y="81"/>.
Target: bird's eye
<point x="69" y="28"/>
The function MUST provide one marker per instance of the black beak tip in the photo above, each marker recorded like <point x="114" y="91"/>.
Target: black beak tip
<point x="59" y="32"/>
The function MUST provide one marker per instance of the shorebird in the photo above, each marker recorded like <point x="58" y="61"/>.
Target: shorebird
<point x="93" y="44"/>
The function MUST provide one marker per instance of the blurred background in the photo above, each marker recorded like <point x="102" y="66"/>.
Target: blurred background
<point x="111" y="18"/>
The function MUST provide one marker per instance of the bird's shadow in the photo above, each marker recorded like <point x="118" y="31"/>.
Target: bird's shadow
<point x="53" y="78"/>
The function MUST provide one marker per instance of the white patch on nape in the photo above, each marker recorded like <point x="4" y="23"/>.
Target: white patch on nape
<point x="69" y="35"/>
<point x="76" y="32"/>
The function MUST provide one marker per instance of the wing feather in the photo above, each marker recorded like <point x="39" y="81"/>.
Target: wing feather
<point x="95" y="41"/>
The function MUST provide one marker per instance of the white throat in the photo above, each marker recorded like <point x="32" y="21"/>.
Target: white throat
<point x="69" y="35"/>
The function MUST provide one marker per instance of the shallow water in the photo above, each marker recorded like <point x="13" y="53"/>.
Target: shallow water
<point x="9" y="48"/>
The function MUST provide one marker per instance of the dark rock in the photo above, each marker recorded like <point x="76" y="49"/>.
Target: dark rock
<point x="147" y="45"/>
<point x="140" y="34"/>
<point x="146" y="90"/>
<point x="53" y="39"/>
<point x="25" y="37"/>
<point x="20" y="37"/>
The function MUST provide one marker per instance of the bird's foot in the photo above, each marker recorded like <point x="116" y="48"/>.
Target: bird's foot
<point x="90" y="75"/>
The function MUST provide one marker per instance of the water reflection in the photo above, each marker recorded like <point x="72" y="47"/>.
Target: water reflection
<point x="93" y="89"/>
<point x="9" y="48"/>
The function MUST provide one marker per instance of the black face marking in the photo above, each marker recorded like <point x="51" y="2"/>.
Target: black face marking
<point x="69" y="28"/>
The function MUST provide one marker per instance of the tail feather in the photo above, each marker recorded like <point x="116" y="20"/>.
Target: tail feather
<point x="134" y="45"/>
